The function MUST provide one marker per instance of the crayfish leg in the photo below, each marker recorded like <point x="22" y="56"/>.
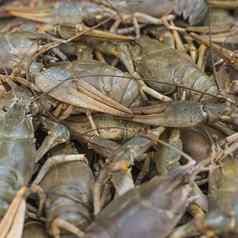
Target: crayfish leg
<point x="92" y="122"/>
<point x="57" y="134"/>
<point x="59" y="224"/>
<point x="41" y="194"/>
<point x="15" y="215"/>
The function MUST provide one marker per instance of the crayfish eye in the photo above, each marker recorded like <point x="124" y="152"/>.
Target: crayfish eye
<point x="33" y="109"/>
<point x="5" y="108"/>
<point x="204" y="111"/>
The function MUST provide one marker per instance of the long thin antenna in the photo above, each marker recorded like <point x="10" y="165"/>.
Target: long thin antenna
<point x="211" y="49"/>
